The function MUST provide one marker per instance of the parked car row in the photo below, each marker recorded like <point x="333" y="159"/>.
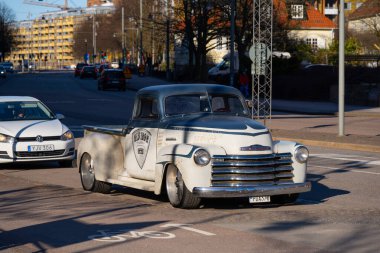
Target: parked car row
<point x="108" y="76"/>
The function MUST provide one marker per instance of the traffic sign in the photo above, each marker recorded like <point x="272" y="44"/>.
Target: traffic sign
<point x="259" y="53"/>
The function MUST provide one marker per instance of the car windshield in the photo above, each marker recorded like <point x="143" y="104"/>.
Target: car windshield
<point x="220" y="104"/>
<point x="24" y="110"/>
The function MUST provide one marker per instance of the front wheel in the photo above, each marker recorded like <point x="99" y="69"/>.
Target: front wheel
<point x="87" y="176"/>
<point x="178" y="194"/>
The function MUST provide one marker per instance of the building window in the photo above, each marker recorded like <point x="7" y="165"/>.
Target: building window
<point x="219" y="43"/>
<point x="347" y="6"/>
<point x="297" y="11"/>
<point x="313" y="42"/>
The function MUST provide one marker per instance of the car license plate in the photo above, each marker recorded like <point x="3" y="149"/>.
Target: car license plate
<point x="36" y="148"/>
<point x="115" y="82"/>
<point x="261" y="199"/>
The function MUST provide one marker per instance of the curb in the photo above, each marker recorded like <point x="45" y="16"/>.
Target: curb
<point x="328" y="144"/>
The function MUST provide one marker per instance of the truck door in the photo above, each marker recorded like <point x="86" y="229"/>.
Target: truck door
<point x="141" y="148"/>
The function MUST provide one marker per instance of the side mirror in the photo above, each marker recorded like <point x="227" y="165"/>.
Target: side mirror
<point x="249" y="103"/>
<point x="59" y="116"/>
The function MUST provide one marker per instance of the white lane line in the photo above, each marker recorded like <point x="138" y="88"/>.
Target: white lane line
<point x="357" y="171"/>
<point x="186" y="227"/>
<point x="346" y="158"/>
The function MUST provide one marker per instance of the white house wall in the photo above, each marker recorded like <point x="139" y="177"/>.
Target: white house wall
<point x="324" y="37"/>
<point x="361" y="25"/>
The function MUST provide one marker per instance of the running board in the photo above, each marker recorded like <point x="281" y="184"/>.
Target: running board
<point x="133" y="183"/>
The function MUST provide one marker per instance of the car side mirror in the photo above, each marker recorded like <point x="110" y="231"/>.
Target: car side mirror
<point x="59" y="116"/>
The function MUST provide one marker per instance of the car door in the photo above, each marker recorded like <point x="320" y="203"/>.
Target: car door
<point x="141" y="148"/>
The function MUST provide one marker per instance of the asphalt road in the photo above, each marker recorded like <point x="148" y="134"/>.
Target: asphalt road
<point x="43" y="207"/>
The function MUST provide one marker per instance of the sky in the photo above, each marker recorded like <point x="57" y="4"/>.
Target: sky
<point x="22" y="10"/>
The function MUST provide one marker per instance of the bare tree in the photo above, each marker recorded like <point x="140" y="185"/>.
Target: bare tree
<point x="7" y="39"/>
<point x="202" y="22"/>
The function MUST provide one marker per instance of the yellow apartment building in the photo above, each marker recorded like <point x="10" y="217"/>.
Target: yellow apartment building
<point x="47" y="41"/>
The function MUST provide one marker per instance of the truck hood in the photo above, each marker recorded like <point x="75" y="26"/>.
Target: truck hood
<point x="237" y="135"/>
<point x="217" y="123"/>
<point x="32" y="128"/>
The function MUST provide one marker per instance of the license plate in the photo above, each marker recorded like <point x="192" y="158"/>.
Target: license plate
<point x="115" y="82"/>
<point x="36" y="148"/>
<point x="261" y="199"/>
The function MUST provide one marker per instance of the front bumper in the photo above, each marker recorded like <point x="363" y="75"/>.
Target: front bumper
<point x="251" y="191"/>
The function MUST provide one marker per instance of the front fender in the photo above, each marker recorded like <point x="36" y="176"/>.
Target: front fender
<point x="299" y="169"/>
<point x="106" y="152"/>
<point x="182" y="156"/>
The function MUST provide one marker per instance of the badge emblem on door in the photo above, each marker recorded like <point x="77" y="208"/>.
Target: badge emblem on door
<point x="141" y="140"/>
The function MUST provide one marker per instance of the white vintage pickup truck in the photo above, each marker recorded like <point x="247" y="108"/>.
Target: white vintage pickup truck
<point x="193" y="141"/>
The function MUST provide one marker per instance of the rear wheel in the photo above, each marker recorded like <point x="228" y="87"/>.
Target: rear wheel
<point x="87" y="176"/>
<point x="178" y="194"/>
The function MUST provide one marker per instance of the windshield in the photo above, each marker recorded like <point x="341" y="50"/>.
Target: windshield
<point x="221" y="104"/>
<point x="27" y="110"/>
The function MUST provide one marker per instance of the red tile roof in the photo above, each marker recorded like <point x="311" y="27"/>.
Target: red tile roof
<point x="368" y="9"/>
<point x="315" y="19"/>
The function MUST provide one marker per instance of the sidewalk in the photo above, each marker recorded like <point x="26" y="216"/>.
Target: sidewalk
<point x="312" y="123"/>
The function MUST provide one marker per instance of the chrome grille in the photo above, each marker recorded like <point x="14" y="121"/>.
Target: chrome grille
<point x="251" y="170"/>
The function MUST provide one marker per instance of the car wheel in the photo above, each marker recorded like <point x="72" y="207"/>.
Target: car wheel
<point x="66" y="163"/>
<point x="178" y="194"/>
<point x="87" y="176"/>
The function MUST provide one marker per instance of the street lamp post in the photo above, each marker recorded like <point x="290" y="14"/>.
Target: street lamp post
<point x="167" y="41"/>
<point x="141" y="34"/>
<point x="86" y="53"/>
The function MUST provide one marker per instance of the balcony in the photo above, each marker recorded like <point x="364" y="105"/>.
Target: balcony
<point x="331" y="10"/>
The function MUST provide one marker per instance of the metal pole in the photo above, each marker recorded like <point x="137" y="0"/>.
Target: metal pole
<point x="94" y="37"/>
<point x="341" y="68"/>
<point x="167" y="41"/>
<point x="141" y="34"/>
<point x="122" y="35"/>
<point x="232" y="46"/>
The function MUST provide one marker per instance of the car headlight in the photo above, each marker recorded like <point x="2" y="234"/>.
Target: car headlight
<point x="301" y="154"/>
<point x="6" y="138"/>
<point x="202" y="157"/>
<point x="67" y="136"/>
<point x="2" y="72"/>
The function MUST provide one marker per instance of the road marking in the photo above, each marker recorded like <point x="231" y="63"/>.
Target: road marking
<point x="357" y="171"/>
<point x="348" y="158"/>
<point x="185" y="227"/>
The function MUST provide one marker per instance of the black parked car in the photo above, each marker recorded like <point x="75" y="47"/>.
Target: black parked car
<point x="112" y="78"/>
<point x="2" y="72"/>
<point x="88" y="71"/>
<point x="78" y="68"/>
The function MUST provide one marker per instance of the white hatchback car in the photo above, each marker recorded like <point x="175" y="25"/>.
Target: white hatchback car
<point x="29" y="131"/>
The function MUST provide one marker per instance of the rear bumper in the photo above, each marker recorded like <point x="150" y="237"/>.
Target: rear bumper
<point x="251" y="191"/>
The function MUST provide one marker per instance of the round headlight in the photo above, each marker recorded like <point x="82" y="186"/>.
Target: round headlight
<point x="201" y="157"/>
<point x="301" y="154"/>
